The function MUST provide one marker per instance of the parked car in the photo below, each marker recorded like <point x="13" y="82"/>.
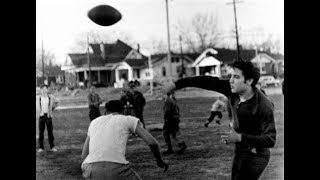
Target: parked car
<point x="266" y="81"/>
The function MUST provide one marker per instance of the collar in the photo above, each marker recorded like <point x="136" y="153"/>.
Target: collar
<point x="254" y="99"/>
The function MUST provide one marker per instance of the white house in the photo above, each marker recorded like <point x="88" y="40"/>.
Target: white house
<point x="206" y="64"/>
<point x="110" y="64"/>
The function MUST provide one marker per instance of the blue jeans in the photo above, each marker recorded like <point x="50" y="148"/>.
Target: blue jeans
<point x="249" y="165"/>
<point x="108" y="170"/>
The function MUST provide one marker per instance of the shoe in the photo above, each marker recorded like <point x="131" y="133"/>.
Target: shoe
<point x="206" y="124"/>
<point x="218" y="122"/>
<point x="53" y="150"/>
<point x="183" y="147"/>
<point x="40" y="150"/>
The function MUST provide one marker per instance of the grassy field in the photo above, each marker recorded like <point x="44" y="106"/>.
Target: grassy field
<point x="205" y="158"/>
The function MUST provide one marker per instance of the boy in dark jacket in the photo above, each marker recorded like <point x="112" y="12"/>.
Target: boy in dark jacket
<point x="171" y="123"/>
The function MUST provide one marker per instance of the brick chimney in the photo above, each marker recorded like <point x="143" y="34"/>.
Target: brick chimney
<point x="103" y="53"/>
<point x="138" y="48"/>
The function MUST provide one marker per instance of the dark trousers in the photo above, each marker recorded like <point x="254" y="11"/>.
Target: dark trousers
<point x="139" y="115"/>
<point x="214" y="114"/>
<point x="43" y="122"/>
<point x="249" y="165"/>
<point x="94" y="113"/>
<point x="170" y="128"/>
<point x="128" y="111"/>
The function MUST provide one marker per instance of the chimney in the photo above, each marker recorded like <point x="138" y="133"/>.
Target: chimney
<point x="103" y="53"/>
<point x="138" y="48"/>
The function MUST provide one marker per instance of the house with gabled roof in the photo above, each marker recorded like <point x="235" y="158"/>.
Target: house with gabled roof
<point x="109" y="63"/>
<point x="206" y="64"/>
<point x="266" y="64"/>
<point x="160" y="66"/>
<point x="216" y="61"/>
<point x="113" y="64"/>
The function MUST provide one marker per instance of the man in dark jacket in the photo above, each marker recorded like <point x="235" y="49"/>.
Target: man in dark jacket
<point x="138" y="102"/>
<point x="171" y="123"/>
<point x="94" y="102"/>
<point x="253" y="125"/>
<point x="127" y="101"/>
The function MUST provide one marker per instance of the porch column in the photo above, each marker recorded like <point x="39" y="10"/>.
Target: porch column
<point x="99" y="80"/>
<point x="130" y="74"/>
<point x="117" y="75"/>
<point x="77" y="77"/>
<point x="218" y="70"/>
<point x="197" y="70"/>
<point x="85" y="74"/>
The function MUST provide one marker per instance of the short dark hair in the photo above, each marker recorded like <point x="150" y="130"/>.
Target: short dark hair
<point x="131" y="84"/>
<point x="43" y="85"/>
<point x="249" y="71"/>
<point x="114" y="106"/>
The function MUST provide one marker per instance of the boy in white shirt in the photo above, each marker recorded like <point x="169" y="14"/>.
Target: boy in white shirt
<point x="105" y="146"/>
<point x="46" y="104"/>
<point x="219" y="106"/>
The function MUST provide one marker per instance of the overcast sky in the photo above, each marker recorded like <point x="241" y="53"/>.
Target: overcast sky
<point x="58" y="22"/>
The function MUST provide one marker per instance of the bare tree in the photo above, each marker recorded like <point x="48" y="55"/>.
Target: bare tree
<point x="48" y="58"/>
<point x="201" y="33"/>
<point x="255" y="38"/>
<point x="159" y="46"/>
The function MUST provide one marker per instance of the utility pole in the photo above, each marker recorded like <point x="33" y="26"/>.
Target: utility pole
<point x="151" y="74"/>
<point x="181" y="57"/>
<point x="89" y="64"/>
<point x="169" y="51"/>
<point x="235" y="19"/>
<point x="42" y="59"/>
<point x="182" y="64"/>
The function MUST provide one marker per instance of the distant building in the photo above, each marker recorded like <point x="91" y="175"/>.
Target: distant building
<point x="53" y="76"/>
<point x="160" y="66"/>
<point x="117" y="63"/>
<point x="109" y="64"/>
<point x="206" y="64"/>
<point x="217" y="61"/>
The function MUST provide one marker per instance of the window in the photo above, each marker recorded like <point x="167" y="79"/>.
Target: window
<point x="262" y="67"/>
<point x="178" y="69"/>
<point x="175" y="59"/>
<point x="163" y="71"/>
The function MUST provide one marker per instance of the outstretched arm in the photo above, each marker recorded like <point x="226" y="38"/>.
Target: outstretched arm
<point x="153" y="145"/>
<point x="203" y="82"/>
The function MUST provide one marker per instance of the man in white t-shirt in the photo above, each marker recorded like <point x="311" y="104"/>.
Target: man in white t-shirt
<point x="105" y="146"/>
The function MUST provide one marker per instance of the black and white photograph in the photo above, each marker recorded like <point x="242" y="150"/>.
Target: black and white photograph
<point x="160" y="89"/>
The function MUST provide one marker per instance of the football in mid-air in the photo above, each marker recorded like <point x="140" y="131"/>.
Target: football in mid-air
<point x="104" y="15"/>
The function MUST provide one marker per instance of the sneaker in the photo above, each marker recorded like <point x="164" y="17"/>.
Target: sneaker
<point x="53" y="150"/>
<point x="218" y="122"/>
<point x="183" y="147"/>
<point x="40" y="150"/>
<point x="206" y="124"/>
